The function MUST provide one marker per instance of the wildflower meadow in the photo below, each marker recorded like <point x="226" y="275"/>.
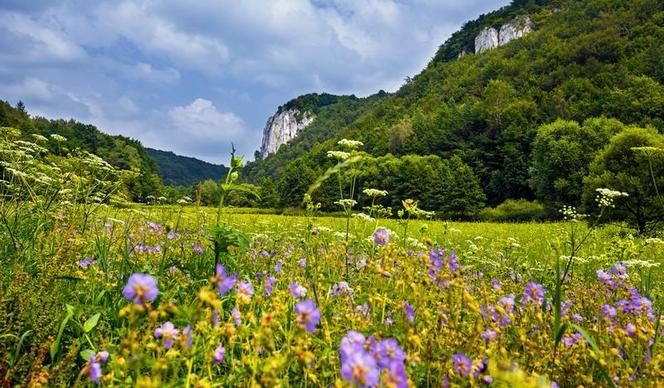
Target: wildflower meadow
<point x="181" y="295"/>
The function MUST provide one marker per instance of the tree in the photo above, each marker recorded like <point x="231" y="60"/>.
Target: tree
<point x="562" y="152"/>
<point x="209" y="192"/>
<point x="294" y="182"/>
<point x="268" y="193"/>
<point x="633" y="163"/>
<point x="463" y="194"/>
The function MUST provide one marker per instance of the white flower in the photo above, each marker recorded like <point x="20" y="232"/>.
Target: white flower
<point x="352" y="144"/>
<point x="374" y="192"/>
<point x="58" y="138"/>
<point x="346" y="203"/>
<point x="338" y="155"/>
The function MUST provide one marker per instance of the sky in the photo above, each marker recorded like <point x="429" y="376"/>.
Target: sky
<point x="193" y="77"/>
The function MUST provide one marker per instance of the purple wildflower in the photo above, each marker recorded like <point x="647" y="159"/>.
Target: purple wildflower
<point x="630" y="329"/>
<point x="608" y="312"/>
<point x="278" y="266"/>
<point x="489" y="335"/>
<point x="396" y="376"/>
<point x="168" y="333"/>
<point x="381" y="237"/>
<point x="387" y="352"/>
<point x="495" y="283"/>
<point x="352" y="342"/>
<point x="245" y="290"/>
<point x="302" y="263"/>
<point x="297" y="291"/>
<point x="85" y="263"/>
<point x="269" y="283"/>
<point x="410" y="313"/>
<point x="95" y="369"/>
<point x="453" y="261"/>
<point x="198" y="249"/>
<point x="533" y="293"/>
<point x="360" y="369"/>
<point x="236" y="315"/>
<point x="462" y="364"/>
<point x="141" y="288"/>
<point x="308" y="315"/>
<point x="224" y="282"/>
<point x="218" y="355"/>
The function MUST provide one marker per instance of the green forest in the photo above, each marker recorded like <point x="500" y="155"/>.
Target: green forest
<point x="529" y="118"/>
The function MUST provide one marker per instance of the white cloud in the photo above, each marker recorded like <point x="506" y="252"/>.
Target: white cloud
<point x="202" y="119"/>
<point x="29" y="88"/>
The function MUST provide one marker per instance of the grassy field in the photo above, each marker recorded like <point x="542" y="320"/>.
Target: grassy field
<point x="132" y="296"/>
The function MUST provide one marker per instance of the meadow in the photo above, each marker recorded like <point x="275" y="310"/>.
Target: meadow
<point x="160" y="296"/>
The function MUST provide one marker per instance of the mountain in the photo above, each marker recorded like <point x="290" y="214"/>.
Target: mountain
<point x="183" y="170"/>
<point x="119" y="151"/>
<point x="493" y="83"/>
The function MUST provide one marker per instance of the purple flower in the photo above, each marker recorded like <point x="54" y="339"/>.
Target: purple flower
<point x="269" y="283"/>
<point x="245" y="290"/>
<point x="608" y="312"/>
<point x="141" y="288"/>
<point x="387" y="352"/>
<point x="218" y="355"/>
<point x="489" y="335"/>
<point x="171" y="235"/>
<point x="198" y="249"/>
<point x="308" y="315"/>
<point x="215" y="318"/>
<point x="188" y="335"/>
<point x="341" y="288"/>
<point x="235" y="314"/>
<point x="533" y="293"/>
<point x="278" y="266"/>
<point x="95" y="369"/>
<point x="495" y="283"/>
<point x="410" y="313"/>
<point x="168" y="333"/>
<point x="462" y="364"/>
<point x="84" y="263"/>
<point x="360" y="369"/>
<point x="302" y="263"/>
<point x="570" y="341"/>
<point x="453" y="261"/>
<point x="297" y="291"/>
<point x="487" y="379"/>
<point x="381" y="237"/>
<point x="396" y="376"/>
<point x="223" y="282"/>
<point x="351" y="343"/>
<point x="630" y="329"/>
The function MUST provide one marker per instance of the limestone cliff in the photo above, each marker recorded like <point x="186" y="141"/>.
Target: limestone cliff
<point x="490" y="38"/>
<point x="282" y="128"/>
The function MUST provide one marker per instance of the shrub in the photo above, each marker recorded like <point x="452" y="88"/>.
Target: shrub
<point x="515" y="210"/>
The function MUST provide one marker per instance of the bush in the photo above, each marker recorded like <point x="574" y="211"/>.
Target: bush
<point x="514" y="210"/>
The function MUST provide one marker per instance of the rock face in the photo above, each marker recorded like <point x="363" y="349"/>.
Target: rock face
<point x="490" y="38"/>
<point x="282" y="128"/>
<point x="520" y="26"/>
<point x="486" y="40"/>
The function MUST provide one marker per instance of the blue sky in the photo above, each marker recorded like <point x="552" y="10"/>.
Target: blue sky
<point x="194" y="76"/>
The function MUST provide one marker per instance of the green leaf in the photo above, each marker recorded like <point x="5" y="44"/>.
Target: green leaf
<point x="91" y="323"/>
<point x="55" y="346"/>
<point x="86" y="354"/>
<point x="560" y="333"/>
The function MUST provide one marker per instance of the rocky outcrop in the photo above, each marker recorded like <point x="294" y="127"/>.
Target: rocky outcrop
<point x="490" y="38"/>
<point x="520" y="26"/>
<point x="282" y="128"/>
<point x="487" y="39"/>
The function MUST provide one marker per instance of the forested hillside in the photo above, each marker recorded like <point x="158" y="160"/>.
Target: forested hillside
<point x="597" y="60"/>
<point x="119" y="151"/>
<point x="184" y="170"/>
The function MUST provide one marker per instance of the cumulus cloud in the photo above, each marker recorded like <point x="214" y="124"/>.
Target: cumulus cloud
<point x="128" y="65"/>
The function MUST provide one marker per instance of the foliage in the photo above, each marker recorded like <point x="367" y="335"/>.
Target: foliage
<point x="514" y="210"/>
<point x="632" y="163"/>
<point x="562" y="153"/>
<point x="182" y="170"/>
